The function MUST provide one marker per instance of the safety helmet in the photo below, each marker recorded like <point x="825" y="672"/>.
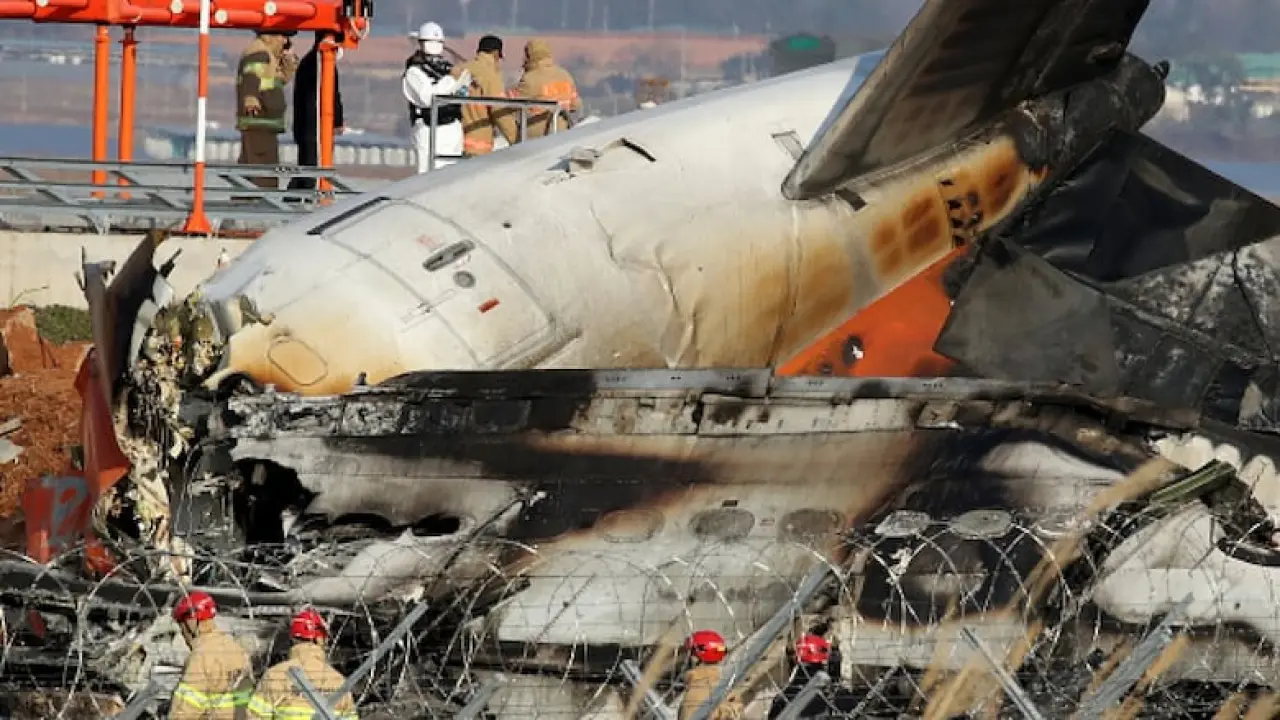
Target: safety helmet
<point x="812" y="649"/>
<point x="706" y="645"/>
<point x="428" y="31"/>
<point x="308" y="625"/>
<point x="198" y="606"/>
<point x="430" y="37"/>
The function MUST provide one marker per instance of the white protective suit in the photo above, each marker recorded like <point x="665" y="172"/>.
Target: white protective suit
<point x="419" y="88"/>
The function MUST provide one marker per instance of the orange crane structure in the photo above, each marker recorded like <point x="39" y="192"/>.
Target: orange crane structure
<point x="347" y="19"/>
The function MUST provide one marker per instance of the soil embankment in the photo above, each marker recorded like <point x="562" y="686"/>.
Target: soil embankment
<point x="37" y="390"/>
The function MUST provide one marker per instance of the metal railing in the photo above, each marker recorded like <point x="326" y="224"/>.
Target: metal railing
<point x="47" y="194"/>
<point x="522" y="105"/>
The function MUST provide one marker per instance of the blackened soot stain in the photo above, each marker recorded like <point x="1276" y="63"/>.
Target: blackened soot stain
<point x="561" y="394"/>
<point x="730" y="409"/>
<point x="949" y="479"/>
<point x="580" y="487"/>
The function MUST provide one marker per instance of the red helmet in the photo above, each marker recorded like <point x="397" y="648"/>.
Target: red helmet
<point x="707" y="646"/>
<point x="812" y="649"/>
<point x="198" y="606"/>
<point x="308" y="625"/>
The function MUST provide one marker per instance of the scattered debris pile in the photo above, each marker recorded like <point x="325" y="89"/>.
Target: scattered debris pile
<point x="39" y="408"/>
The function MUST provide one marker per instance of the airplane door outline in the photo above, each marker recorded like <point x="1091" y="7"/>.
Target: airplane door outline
<point x="469" y="305"/>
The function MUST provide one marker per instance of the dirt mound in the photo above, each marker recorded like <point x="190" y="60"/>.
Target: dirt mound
<point x="40" y="391"/>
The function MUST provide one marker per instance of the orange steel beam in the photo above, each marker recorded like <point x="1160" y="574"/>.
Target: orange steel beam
<point x="17" y="9"/>
<point x="295" y="15"/>
<point x="327" y="70"/>
<point x="128" y="78"/>
<point x="101" y="89"/>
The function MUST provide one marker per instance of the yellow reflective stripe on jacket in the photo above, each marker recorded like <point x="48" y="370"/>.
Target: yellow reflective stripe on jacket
<point x="262" y="71"/>
<point x="208" y="701"/>
<point x="262" y="708"/>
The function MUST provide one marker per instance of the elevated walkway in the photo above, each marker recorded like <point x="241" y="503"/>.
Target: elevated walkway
<point x="41" y="195"/>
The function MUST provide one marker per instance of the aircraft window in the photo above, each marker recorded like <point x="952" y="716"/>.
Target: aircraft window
<point x="722" y="524"/>
<point x="810" y="525"/>
<point x="903" y="523"/>
<point x="630" y="526"/>
<point x="982" y="524"/>
<point x="346" y="215"/>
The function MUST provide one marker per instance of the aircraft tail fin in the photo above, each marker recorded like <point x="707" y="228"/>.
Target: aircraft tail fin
<point x="957" y="66"/>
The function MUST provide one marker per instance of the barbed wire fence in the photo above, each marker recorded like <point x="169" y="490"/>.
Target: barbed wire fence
<point x="1158" y="611"/>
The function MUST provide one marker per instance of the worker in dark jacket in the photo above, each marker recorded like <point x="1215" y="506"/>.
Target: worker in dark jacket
<point x="306" y="109"/>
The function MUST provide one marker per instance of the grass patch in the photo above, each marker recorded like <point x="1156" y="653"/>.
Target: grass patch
<point x="60" y="324"/>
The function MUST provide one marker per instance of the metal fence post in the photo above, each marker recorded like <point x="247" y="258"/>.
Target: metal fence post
<point x="810" y="690"/>
<point x="1131" y="668"/>
<point x="325" y="705"/>
<point x="652" y="702"/>
<point x="1011" y="686"/>
<point x="481" y="698"/>
<point x="431" y="142"/>
<point x="392" y="638"/>
<point x="139" y="702"/>
<point x="313" y="696"/>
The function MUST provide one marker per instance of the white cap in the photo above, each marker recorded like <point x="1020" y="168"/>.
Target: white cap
<point x="428" y="31"/>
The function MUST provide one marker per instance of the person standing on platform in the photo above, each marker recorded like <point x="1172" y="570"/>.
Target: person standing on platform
<point x="306" y="108"/>
<point x="545" y="80"/>
<point x="429" y="74"/>
<point x="480" y="121"/>
<point x="266" y="66"/>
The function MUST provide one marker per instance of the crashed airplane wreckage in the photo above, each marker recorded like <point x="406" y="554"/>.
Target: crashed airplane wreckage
<point x="976" y="203"/>
<point x="563" y="520"/>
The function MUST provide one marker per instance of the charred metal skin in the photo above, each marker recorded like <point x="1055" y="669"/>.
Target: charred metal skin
<point x="1059" y="130"/>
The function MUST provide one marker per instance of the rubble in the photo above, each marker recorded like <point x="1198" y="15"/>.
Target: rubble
<point x="39" y="394"/>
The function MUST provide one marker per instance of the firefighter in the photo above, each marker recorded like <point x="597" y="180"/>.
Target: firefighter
<point x="707" y="650"/>
<point x="480" y="121"/>
<point x="277" y="698"/>
<point x="266" y="66"/>
<point x="813" y="654"/>
<point x="218" y="679"/>
<point x="428" y="73"/>
<point x="543" y="79"/>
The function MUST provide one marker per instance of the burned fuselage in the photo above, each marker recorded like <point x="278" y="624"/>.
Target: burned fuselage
<point x="597" y="510"/>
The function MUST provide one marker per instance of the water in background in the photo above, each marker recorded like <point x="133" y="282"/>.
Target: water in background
<point x="74" y="141"/>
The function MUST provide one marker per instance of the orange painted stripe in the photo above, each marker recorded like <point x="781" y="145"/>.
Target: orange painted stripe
<point x="895" y="334"/>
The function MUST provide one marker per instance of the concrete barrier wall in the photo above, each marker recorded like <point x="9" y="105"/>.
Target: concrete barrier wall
<point x="40" y="268"/>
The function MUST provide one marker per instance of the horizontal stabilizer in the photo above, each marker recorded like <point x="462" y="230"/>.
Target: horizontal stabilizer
<point x="957" y="66"/>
